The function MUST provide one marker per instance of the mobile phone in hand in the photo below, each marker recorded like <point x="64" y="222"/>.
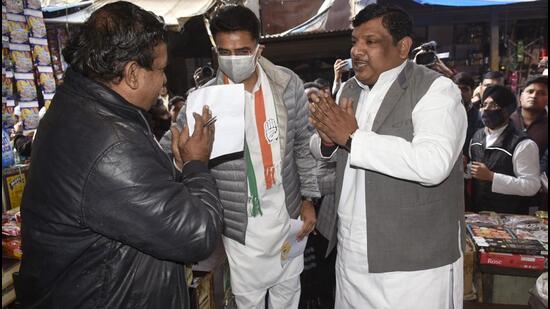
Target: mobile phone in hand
<point x="348" y="65"/>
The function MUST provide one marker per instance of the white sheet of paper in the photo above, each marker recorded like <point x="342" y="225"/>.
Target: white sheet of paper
<point x="296" y="247"/>
<point x="227" y="104"/>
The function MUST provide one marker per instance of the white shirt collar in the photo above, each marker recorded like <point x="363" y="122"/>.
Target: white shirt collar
<point x="495" y="133"/>
<point x="259" y="80"/>
<point x="385" y="77"/>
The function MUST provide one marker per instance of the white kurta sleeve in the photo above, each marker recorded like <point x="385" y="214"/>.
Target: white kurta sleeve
<point x="315" y="148"/>
<point x="526" y="168"/>
<point x="439" y="122"/>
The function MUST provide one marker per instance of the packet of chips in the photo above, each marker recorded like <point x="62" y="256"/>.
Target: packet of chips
<point x="25" y="86"/>
<point x="33" y="4"/>
<point x="29" y="115"/>
<point x="7" y="85"/>
<point x="36" y="23"/>
<point x="40" y="51"/>
<point x="14" y="6"/>
<point x="5" y="30"/>
<point x="7" y="63"/>
<point x="46" y="79"/>
<point x="8" y="113"/>
<point x="18" y="29"/>
<point x="22" y="58"/>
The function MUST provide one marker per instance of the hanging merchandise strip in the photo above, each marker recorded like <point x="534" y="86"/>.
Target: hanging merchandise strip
<point x="26" y="62"/>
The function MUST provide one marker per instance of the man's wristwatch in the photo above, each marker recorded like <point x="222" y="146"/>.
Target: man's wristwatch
<point x="348" y="142"/>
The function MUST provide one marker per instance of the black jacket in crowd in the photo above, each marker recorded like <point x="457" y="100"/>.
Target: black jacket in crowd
<point x="498" y="159"/>
<point x="106" y="220"/>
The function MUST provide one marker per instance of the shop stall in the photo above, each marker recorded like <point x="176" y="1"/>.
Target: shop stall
<point x="509" y="253"/>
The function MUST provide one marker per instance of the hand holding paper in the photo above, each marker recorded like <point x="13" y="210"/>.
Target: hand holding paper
<point x="293" y="247"/>
<point x="226" y="103"/>
<point x="197" y="146"/>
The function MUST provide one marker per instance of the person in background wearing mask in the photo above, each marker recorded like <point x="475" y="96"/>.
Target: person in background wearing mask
<point x="505" y="162"/>
<point x="274" y="179"/>
<point x="490" y="78"/>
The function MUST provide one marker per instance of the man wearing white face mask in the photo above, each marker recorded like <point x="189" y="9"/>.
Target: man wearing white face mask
<point x="274" y="179"/>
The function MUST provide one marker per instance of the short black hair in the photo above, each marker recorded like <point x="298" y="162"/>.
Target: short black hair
<point x="114" y="35"/>
<point x="398" y="23"/>
<point x="537" y="79"/>
<point x="203" y="74"/>
<point x="493" y="75"/>
<point x="312" y="85"/>
<point x="231" y="18"/>
<point x="323" y="82"/>
<point x="464" y="78"/>
<point x="175" y="100"/>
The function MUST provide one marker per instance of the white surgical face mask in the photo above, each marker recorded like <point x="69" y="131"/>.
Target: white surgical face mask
<point x="238" y="68"/>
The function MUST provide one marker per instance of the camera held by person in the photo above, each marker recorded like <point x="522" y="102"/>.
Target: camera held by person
<point x="426" y="54"/>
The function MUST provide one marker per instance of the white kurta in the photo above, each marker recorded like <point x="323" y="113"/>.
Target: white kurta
<point x="440" y="127"/>
<point x="256" y="266"/>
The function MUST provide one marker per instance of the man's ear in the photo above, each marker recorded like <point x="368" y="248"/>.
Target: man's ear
<point x="131" y="75"/>
<point x="261" y="48"/>
<point x="404" y="46"/>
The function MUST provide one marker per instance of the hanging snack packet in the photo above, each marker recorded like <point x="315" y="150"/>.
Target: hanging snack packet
<point x="8" y="113"/>
<point x="7" y="64"/>
<point x="36" y="23"/>
<point x="46" y="79"/>
<point x="29" y="115"/>
<point x="5" y="30"/>
<point x="21" y="56"/>
<point x="14" y="6"/>
<point x="17" y="27"/>
<point x="26" y="87"/>
<point x="33" y="4"/>
<point x="7" y="85"/>
<point x="40" y="52"/>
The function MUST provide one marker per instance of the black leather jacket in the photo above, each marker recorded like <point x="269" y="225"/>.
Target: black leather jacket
<point x="107" y="220"/>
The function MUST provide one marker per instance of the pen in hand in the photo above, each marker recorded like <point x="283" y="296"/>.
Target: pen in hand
<point x="210" y="122"/>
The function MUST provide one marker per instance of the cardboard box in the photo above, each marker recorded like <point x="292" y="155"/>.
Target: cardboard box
<point x="513" y="260"/>
<point x="201" y="291"/>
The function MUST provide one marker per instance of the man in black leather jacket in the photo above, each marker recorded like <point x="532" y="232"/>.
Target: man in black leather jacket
<point x="107" y="219"/>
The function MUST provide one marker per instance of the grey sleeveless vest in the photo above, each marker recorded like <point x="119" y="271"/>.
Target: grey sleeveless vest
<point x="409" y="226"/>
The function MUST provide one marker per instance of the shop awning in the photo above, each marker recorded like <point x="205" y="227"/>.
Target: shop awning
<point x="471" y="2"/>
<point x="170" y="10"/>
<point x="315" y="23"/>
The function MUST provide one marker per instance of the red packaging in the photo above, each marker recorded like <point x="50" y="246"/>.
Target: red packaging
<point x="11" y="247"/>
<point x="512" y="260"/>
